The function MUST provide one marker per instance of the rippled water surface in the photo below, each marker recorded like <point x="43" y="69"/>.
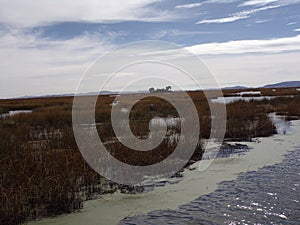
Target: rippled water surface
<point x="268" y="196"/>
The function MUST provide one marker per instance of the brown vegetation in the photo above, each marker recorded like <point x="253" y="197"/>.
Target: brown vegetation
<point x="42" y="172"/>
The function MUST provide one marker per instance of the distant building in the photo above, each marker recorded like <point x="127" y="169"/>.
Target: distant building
<point x="160" y="90"/>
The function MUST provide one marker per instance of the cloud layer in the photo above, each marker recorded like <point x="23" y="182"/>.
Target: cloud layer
<point x="266" y="2"/>
<point x="31" y="64"/>
<point x="30" y="13"/>
<point x="238" y="16"/>
<point x="189" y="6"/>
<point x="42" y="54"/>
<point x="248" y="46"/>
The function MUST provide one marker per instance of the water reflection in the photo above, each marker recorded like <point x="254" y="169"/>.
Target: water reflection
<point x="14" y="112"/>
<point x="227" y="100"/>
<point x="268" y="196"/>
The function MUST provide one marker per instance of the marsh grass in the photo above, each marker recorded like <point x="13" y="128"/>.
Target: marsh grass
<point x="42" y="172"/>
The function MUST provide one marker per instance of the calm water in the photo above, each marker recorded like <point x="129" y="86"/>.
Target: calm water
<point x="227" y="100"/>
<point x="270" y="195"/>
<point x="14" y="112"/>
<point x="231" y="99"/>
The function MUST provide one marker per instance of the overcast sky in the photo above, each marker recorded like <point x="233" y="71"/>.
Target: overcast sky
<point x="46" y="46"/>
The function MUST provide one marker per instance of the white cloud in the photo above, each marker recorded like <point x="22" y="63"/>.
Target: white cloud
<point x="198" y="4"/>
<point x="237" y="16"/>
<point x="258" y="2"/>
<point x="262" y="21"/>
<point x="220" y="1"/>
<point x="248" y="46"/>
<point x="255" y="69"/>
<point x="31" y="64"/>
<point x="189" y="6"/>
<point x="266" y="2"/>
<point x="297" y="30"/>
<point x="30" y="13"/>
<point x="223" y="20"/>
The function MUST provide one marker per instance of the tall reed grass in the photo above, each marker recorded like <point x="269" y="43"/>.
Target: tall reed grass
<point x="42" y="172"/>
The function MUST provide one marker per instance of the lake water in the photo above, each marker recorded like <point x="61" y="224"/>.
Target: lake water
<point x="14" y="112"/>
<point x="227" y="100"/>
<point x="231" y="99"/>
<point x="270" y="195"/>
<point x="261" y="186"/>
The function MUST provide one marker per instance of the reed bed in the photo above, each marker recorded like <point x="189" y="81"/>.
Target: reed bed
<point x="42" y="172"/>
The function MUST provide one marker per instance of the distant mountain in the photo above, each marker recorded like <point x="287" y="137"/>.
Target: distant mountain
<point x="235" y="88"/>
<point x="286" y="84"/>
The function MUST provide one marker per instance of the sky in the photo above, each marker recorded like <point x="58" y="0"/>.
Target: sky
<point x="46" y="46"/>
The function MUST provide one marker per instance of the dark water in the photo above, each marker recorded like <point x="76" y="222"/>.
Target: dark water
<point x="270" y="195"/>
